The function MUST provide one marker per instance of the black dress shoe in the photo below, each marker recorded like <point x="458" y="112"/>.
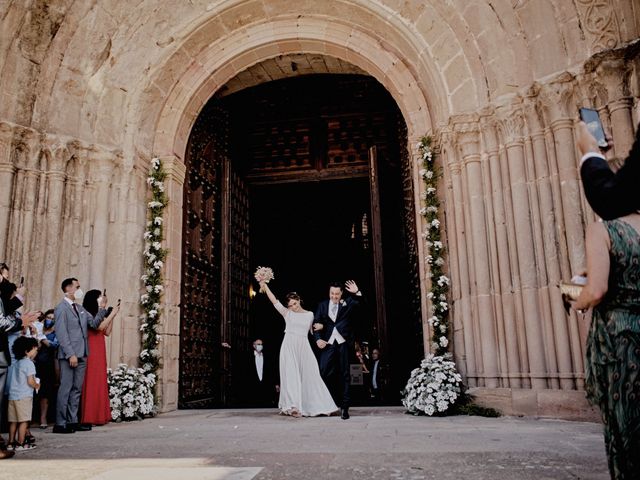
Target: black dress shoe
<point x="62" y="429"/>
<point x="80" y="427"/>
<point x="345" y="414"/>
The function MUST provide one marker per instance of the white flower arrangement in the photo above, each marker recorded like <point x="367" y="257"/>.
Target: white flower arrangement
<point x="131" y="392"/>
<point x="433" y="387"/>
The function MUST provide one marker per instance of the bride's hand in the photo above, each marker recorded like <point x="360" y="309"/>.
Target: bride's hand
<point x="317" y="327"/>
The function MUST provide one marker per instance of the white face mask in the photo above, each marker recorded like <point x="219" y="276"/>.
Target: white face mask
<point x="258" y="348"/>
<point x="79" y="294"/>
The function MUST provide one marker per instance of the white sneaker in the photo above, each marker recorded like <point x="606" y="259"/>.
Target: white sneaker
<point x="25" y="447"/>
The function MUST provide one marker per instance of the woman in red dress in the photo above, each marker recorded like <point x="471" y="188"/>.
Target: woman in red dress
<point x="95" y="408"/>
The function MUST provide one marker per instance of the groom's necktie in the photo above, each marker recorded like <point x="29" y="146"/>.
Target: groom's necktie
<point x="334" y="311"/>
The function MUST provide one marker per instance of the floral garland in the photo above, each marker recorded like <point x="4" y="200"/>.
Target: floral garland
<point x="435" y="385"/>
<point x="154" y="256"/>
<point x="439" y="321"/>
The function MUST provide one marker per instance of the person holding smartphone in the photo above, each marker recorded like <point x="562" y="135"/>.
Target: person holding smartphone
<point x="611" y="195"/>
<point x="94" y="407"/>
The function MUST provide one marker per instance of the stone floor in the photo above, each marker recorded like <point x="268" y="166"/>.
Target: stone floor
<point x="381" y="443"/>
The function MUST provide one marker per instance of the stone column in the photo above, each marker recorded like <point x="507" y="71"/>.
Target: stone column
<point x="7" y="171"/>
<point x="27" y="153"/>
<point x="556" y="325"/>
<point x="511" y="125"/>
<point x="58" y="156"/>
<point x="501" y="260"/>
<point x="555" y="99"/>
<point x="462" y="307"/>
<point x="614" y="74"/>
<point x="169" y="375"/>
<point x="101" y="170"/>
<point x="468" y="142"/>
<point x="456" y="315"/>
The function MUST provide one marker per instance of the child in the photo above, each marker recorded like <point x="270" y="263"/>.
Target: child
<point x="23" y="383"/>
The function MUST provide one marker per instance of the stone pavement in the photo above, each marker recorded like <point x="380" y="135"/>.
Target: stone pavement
<point x="376" y="443"/>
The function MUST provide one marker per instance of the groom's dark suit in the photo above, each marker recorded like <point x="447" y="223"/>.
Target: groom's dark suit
<point x="335" y="356"/>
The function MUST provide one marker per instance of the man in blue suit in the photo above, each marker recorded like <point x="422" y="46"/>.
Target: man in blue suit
<point x="334" y="339"/>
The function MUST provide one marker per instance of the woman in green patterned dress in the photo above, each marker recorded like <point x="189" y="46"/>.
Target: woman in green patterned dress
<point x="613" y="346"/>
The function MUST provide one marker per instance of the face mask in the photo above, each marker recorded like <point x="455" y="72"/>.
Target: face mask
<point x="48" y="323"/>
<point x="258" y="348"/>
<point x="79" y="294"/>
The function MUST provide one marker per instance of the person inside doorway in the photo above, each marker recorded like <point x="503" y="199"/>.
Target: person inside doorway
<point x="260" y="377"/>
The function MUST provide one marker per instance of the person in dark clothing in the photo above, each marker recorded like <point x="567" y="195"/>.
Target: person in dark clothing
<point x="611" y="195"/>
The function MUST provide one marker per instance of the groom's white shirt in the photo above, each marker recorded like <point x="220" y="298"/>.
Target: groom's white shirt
<point x="259" y="364"/>
<point x="335" y="335"/>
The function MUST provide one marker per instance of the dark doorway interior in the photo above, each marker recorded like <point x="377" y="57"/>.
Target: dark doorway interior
<point x="280" y="175"/>
<point x="311" y="233"/>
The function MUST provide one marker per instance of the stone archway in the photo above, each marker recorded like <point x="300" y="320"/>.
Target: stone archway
<point x="231" y="57"/>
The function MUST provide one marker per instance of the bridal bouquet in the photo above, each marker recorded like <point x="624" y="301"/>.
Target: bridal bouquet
<point x="130" y="392"/>
<point x="433" y="387"/>
<point x="263" y="275"/>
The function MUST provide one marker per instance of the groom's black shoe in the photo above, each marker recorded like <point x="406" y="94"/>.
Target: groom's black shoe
<point x="62" y="429"/>
<point x="345" y="414"/>
<point x="80" y="427"/>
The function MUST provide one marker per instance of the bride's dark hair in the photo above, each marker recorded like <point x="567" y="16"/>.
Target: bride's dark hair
<point x="293" y="296"/>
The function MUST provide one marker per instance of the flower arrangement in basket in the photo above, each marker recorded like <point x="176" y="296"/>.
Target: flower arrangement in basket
<point x="264" y="275"/>
<point x="433" y="387"/>
<point x="130" y="393"/>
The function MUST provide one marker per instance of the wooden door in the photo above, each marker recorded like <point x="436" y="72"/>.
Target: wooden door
<point x="380" y="330"/>
<point x="236" y="276"/>
<point x="201" y="357"/>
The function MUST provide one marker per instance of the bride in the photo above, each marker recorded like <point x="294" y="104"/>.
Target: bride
<point x="302" y="390"/>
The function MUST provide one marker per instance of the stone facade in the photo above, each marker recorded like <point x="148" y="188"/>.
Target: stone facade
<point x="90" y="91"/>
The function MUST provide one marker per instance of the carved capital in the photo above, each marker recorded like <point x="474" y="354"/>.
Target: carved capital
<point x="511" y="124"/>
<point x="27" y="144"/>
<point x="6" y="133"/>
<point x="56" y="152"/>
<point x="556" y="98"/>
<point x="614" y="74"/>
<point x="101" y="163"/>
<point x="466" y="129"/>
<point x="533" y="117"/>
<point x="175" y="168"/>
<point x="488" y="124"/>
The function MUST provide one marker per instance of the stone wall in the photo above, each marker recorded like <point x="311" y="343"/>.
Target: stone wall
<point x="90" y="91"/>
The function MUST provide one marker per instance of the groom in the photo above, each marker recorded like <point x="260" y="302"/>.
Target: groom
<point x="334" y="339"/>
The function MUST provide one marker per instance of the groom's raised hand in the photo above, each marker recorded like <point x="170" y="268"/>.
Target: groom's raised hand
<point x="351" y="286"/>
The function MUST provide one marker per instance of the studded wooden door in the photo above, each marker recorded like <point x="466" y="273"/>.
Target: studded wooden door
<point x="236" y="277"/>
<point x="201" y="358"/>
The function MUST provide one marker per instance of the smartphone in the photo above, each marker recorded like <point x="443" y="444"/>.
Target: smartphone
<point x="118" y="302"/>
<point x="104" y="292"/>
<point x="21" y="281"/>
<point x="594" y="124"/>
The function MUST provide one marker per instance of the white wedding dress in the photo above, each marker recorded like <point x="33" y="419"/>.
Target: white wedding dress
<point x="302" y="389"/>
